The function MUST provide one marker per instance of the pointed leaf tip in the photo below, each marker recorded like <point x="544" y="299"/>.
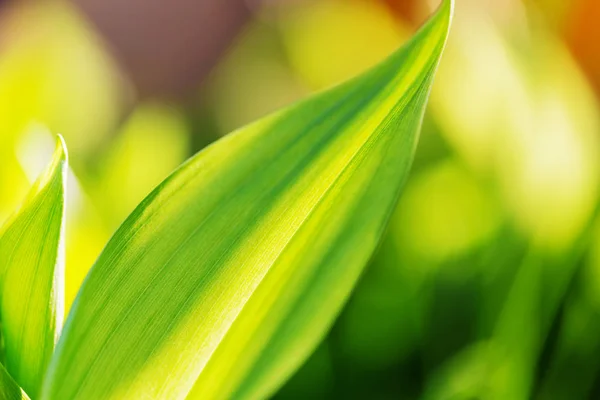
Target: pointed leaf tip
<point x="61" y="148"/>
<point x="60" y="158"/>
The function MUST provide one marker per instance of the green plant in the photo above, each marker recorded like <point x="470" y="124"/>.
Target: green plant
<point x="228" y="274"/>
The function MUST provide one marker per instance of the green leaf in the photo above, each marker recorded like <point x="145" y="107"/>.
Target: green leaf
<point x="32" y="277"/>
<point x="9" y="390"/>
<point x="226" y="277"/>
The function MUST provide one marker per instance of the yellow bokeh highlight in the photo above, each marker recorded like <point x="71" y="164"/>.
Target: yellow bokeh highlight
<point x="329" y="41"/>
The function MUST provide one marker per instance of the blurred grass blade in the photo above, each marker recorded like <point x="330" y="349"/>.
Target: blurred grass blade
<point x="226" y="277"/>
<point x="32" y="277"/>
<point x="9" y="390"/>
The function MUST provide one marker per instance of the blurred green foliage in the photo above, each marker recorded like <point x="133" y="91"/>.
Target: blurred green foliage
<point x="487" y="285"/>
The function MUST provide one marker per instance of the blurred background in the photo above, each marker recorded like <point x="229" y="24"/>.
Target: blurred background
<point x="487" y="285"/>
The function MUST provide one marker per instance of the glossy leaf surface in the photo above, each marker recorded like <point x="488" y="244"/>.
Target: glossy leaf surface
<point x="226" y="277"/>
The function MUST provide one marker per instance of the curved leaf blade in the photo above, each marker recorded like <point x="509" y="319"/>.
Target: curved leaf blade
<point x="9" y="390"/>
<point x="227" y="276"/>
<point x="32" y="277"/>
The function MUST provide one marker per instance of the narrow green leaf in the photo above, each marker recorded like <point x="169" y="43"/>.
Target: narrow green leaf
<point x="226" y="277"/>
<point x="32" y="277"/>
<point x="9" y="390"/>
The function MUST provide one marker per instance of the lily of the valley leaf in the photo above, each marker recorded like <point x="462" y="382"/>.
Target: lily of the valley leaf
<point x="226" y="277"/>
<point x="32" y="277"/>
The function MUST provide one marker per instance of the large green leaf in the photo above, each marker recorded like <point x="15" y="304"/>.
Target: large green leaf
<point x="226" y="277"/>
<point x="32" y="277"/>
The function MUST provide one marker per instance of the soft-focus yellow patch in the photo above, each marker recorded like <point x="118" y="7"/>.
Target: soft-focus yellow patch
<point x="519" y="112"/>
<point x="56" y="74"/>
<point x="329" y="41"/>
<point x="151" y="144"/>
<point x="253" y="79"/>
<point x="444" y="212"/>
<point x="548" y="163"/>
